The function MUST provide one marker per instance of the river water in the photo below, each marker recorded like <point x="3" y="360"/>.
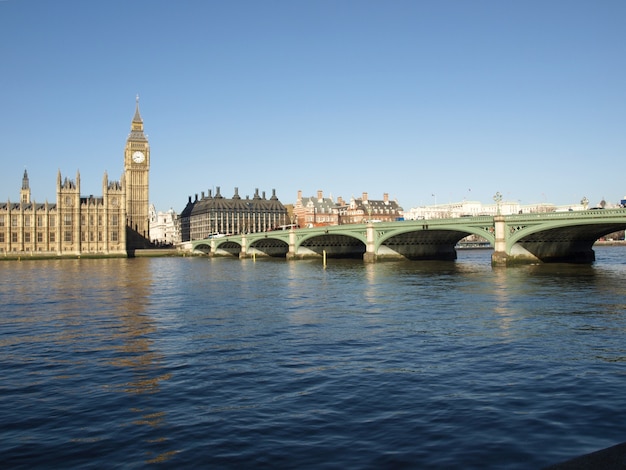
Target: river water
<point x="220" y="363"/>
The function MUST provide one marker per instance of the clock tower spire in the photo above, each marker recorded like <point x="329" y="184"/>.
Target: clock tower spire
<point x="136" y="171"/>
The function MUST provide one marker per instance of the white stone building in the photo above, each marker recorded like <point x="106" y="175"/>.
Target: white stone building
<point x="163" y="227"/>
<point x="475" y="208"/>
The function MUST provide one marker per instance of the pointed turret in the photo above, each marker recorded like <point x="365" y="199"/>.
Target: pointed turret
<point x="136" y="127"/>
<point x="25" y="191"/>
<point x="137" y="117"/>
<point x="25" y="184"/>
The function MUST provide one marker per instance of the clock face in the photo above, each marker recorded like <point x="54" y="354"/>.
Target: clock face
<point x="138" y="157"/>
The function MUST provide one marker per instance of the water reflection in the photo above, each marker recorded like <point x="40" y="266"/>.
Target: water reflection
<point x="135" y="351"/>
<point x="70" y="318"/>
<point x="502" y="300"/>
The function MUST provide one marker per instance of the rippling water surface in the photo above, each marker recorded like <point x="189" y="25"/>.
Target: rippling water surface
<point x="190" y="362"/>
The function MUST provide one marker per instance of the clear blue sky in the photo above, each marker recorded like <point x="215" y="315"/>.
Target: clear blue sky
<point x="452" y="98"/>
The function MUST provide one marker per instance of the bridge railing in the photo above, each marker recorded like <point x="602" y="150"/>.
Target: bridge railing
<point x="595" y="213"/>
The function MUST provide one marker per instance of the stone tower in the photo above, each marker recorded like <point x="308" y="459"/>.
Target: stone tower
<point x="136" y="171"/>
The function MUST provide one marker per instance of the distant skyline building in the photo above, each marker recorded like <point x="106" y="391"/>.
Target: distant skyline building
<point x="476" y="208"/>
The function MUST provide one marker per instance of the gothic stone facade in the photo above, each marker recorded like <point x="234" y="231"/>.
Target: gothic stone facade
<point x="111" y="224"/>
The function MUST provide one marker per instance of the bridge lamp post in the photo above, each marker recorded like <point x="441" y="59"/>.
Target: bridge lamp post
<point x="584" y="202"/>
<point x="498" y="199"/>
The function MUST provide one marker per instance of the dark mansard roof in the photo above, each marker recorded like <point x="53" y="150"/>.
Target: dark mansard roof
<point x="219" y="203"/>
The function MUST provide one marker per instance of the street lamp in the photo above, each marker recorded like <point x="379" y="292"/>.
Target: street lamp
<point x="585" y="202"/>
<point x="498" y="199"/>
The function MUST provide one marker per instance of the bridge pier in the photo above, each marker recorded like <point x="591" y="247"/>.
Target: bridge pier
<point x="243" y="254"/>
<point x="370" y="246"/>
<point x="517" y="255"/>
<point x="291" y="254"/>
<point x="369" y="257"/>
<point x="499" y="256"/>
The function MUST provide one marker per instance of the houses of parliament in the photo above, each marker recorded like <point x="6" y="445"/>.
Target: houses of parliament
<point x="115" y="223"/>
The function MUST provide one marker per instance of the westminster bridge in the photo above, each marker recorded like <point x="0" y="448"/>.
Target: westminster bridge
<point x="516" y="239"/>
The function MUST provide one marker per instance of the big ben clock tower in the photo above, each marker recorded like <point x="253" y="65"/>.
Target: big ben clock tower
<point x="136" y="170"/>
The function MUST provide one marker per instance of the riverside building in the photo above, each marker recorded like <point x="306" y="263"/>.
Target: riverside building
<point x="163" y="227"/>
<point x="321" y="211"/>
<point x="114" y="223"/>
<point x="213" y="215"/>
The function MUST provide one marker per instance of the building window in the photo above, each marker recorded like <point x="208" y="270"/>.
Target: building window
<point x="26" y="237"/>
<point x="14" y="221"/>
<point x="114" y="236"/>
<point x="40" y="221"/>
<point x="14" y="237"/>
<point x="83" y="236"/>
<point x="1" y="237"/>
<point x="100" y="220"/>
<point x="91" y="236"/>
<point x="114" y="220"/>
<point x="67" y="219"/>
<point x="1" y="220"/>
<point x="99" y="236"/>
<point x="39" y="237"/>
<point x="52" y="238"/>
<point x="52" y="221"/>
<point x="67" y="236"/>
<point x="27" y="221"/>
<point x="83" y="220"/>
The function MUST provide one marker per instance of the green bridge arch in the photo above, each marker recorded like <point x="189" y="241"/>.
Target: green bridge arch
<point x="526" y="238"/>
<point x="557" y="236"/>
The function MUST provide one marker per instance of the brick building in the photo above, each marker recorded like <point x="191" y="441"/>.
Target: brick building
<point x="319" y="211"/>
